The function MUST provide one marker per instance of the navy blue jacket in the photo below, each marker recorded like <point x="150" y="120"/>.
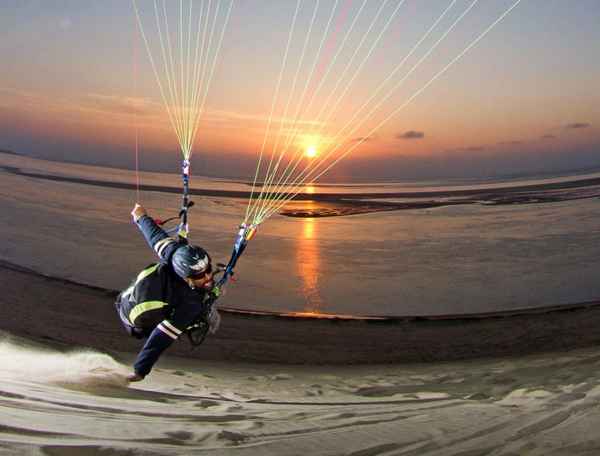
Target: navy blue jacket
<point x="186" y="305"/>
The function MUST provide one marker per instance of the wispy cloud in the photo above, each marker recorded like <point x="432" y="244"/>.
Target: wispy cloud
<point x="468" y="149"/>
<point x="20" y="99"/>
<point x="82" y="103"/>
<point x="113" y="104"/>
<point x="373" y="137"/>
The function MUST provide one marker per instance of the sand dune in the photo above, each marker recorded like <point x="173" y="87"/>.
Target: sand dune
<point x="64" y="392"/>
<point x="539" y="405"/>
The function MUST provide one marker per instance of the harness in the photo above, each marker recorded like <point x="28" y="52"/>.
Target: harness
<point x="145" y="304"/>
<point x="158" y="309"/>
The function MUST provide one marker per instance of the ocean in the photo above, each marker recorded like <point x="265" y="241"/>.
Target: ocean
<point x="452" y="259"/>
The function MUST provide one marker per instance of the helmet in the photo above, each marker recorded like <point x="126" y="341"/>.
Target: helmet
<point x="189" y="259"/>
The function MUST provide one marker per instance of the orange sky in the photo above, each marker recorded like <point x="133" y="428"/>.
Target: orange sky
<point x="524" y="98"/>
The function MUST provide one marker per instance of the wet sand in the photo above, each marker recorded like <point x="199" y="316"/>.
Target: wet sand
<point x="335" y="204"/>
<point x="70" y="314"/>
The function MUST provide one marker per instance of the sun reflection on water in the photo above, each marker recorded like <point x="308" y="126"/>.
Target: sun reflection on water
<point x="308" y="264"/>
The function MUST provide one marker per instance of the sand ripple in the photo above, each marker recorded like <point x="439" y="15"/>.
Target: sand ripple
<point x="72" y="404"/>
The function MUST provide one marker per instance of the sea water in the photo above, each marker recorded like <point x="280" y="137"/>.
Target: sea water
<point x="446" y="260"/>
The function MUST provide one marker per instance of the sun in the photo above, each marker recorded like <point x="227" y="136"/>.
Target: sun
<point x="311" y="152"/>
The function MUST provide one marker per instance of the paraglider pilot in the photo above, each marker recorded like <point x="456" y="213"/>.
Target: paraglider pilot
<point x="167" y="298"/>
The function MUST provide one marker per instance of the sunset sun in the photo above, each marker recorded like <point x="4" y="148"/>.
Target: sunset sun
<point x="311" y="152"/>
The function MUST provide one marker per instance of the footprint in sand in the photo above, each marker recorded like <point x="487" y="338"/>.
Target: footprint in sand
<point x="281" y="377"/>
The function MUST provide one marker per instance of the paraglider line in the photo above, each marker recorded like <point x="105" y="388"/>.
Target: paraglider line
<point x="135" y="110"/>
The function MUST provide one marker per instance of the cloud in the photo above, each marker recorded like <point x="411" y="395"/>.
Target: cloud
<point x="548" y="137"/>
<point x="468" y="149"/>
<point x="476" y="148"/>
<point x="411" y="135"/>
<point x="113" y="104"/>
<point x="93" y="104"/>
<point x="21" y="99"/>
<point x="373" y="137"/>
<point x="577" y="125"/>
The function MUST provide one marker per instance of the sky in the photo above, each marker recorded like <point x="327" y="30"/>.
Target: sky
<point x="524" y="99"/>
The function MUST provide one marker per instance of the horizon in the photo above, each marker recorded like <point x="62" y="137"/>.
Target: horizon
<point x="409" y="182"/>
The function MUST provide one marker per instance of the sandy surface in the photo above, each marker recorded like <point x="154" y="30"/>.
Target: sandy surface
<point x="522" y="384"/>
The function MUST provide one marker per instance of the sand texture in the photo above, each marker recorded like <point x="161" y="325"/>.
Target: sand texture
<point x="277" y="385"/>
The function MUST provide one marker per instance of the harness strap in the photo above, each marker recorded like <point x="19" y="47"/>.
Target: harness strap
<point x="197" y="335"/>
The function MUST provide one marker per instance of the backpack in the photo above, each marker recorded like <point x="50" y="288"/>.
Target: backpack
<point x="142" y="305"/>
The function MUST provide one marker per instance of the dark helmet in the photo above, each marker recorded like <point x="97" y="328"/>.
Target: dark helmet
<point x="189" y="259"/>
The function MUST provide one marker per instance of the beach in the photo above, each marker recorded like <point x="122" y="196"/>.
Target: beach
<point x="519" y="381"/>
<point x="523" y="384"/>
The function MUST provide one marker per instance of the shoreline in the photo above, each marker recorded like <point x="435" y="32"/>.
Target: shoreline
<point x="333" y="317"/>
<point x="76" y="315"/>
<point x="344" y="204"/>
